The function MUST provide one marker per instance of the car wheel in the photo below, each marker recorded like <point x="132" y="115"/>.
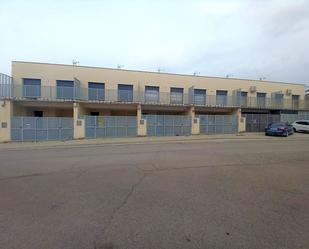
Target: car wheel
<point x="294" y="129"/>
<point x="286" y="134"/>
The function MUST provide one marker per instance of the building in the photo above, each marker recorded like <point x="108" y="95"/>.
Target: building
<point x="42" y="101"/>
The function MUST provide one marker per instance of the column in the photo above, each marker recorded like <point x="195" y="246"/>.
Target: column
<point x="6" y="113"/>
<point x="79" y="122"/>
<point x="141" y="123"/>
<point x="195" y="122"/>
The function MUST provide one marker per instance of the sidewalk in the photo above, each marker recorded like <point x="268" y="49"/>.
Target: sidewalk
<point x="142" y="140"/>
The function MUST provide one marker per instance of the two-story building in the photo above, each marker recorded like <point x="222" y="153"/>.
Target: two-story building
<point x="42" y="101"/>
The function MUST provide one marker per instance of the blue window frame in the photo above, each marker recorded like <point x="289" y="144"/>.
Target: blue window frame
<point x="31" y="88"/>
<point x="199" y="96"/>
<point x="125" y="93"/>
<point x="152" y="94"/>
<point x="96" y="91"/>
<point x="176" y="95"/>
<point x="221" y="97"/>
<point x="65" y="89"/>
<point x="261" y="99"/>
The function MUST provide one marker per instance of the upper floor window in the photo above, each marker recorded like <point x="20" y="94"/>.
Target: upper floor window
<point x="176" y="95"/>
<point x="151" y="94"/>
<point x="278" y="99"/>
<point x="261" y="99"/>
<point x="295" y="101"/>
<point x="243" y="98"/>
<point x="65" y="89"/>
<point x="31" y="88"/>
<point x="199" y="96"/>
<point x="221" y="97"/>
<point x="96" y="91"/>
<point x="125" y="93"/>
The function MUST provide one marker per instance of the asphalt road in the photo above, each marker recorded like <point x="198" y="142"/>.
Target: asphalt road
<point x="219" y="194"/>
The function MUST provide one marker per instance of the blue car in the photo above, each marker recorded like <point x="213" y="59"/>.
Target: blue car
<point x="279" y="129"/>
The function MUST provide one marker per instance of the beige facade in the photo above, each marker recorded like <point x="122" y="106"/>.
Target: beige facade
<point x="48" y="103"/>
<point x="49" y="73"/>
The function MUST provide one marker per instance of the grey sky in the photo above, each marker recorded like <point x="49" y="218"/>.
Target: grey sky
<point x="248" y="39"/>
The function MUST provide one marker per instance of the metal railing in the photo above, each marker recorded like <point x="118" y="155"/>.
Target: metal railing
<point x="113" y="95"/>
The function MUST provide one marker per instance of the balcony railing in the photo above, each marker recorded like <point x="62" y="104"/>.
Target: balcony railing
<point x="113" y="95"/>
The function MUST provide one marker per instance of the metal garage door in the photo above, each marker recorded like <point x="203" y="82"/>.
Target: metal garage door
<point x="301" y="115"/>
<point x="41" y="128"/>
<point x="110" y="126"/>
<point x="168" y="125"/>
<point x="256" y="122"/>
<point x="218" y="124"/>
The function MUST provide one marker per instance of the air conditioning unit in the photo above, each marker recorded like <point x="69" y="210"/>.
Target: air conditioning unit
<point x="252" y="88"/>
<point x="288" y="91"/>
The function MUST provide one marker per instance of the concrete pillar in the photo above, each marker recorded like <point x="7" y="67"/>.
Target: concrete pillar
<point x="241" y="120"/>
<point x="79" y="122"/>
<point x="195" y="122"/>
<point x="141" y="123"/>
<point x="6" y="113"/>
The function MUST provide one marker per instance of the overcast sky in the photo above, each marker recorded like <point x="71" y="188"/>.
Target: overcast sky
<point x="247" y="39"/>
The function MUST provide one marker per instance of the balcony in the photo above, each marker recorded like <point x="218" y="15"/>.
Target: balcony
<point x="59" y="93"/>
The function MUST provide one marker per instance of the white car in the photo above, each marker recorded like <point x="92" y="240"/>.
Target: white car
<point x="301" y="126"/>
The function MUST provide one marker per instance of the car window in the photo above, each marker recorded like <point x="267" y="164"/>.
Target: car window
<point x="302" y="123"/>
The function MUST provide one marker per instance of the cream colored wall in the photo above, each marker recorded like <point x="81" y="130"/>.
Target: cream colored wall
<point x="49" y="73"/>
<point x="47" y="112"/>
<point x="6" y="110"/>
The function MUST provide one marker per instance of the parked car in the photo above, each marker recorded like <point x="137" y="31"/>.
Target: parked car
<point x="301" y="126"/>
<point x="279" y="129"/>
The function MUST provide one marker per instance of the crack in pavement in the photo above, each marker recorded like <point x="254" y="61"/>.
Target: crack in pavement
<point x="124" y="202"/>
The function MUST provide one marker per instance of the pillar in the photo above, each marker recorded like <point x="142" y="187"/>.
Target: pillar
<point x="195" y="122"/>
<point x="6" y="113"/>
<point x="241" y="121"/>
<point x="79" y="121"/>
<point x="141" y="123"/>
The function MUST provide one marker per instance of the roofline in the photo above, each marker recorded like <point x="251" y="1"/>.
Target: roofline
<point x="176" y="74"/>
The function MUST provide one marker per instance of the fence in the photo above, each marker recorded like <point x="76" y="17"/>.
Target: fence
<point x="290" y="118"/>
<point x="110" y="126"/>
<point x="256" y="122"/>
<point x="168" y="125"/>
<point x="5" y="86"/>
<point x="41" y="128"/>
<point x="218" y="124"/>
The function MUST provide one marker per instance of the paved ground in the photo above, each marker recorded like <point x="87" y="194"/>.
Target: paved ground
<point x="237" y="193"/>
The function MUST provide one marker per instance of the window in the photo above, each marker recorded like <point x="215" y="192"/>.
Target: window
<point x="125" y="93"/>
<point x="221" y="97"/>
<point x="176" y="95"/>
<point x="243" y="98"/>
<point x="94" y="114"/>
<point x="38" y="113"/>
<point x="151" y="94"/>
<point x="295" y="101"/>
<point x="65" y="89"/>
<point x="302" y="123"/>
<point x="278" y="98"/>
<point x="96" y="91"/>
<point x="199" y="96"/>
<point x="261" y="99"/>
<point x="31" y="88"/>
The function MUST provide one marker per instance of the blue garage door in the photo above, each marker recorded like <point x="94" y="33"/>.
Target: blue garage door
<point x="218" y="124"/>
<point x="41" y="128"/>
<point x="110" y="126"/>
<point x="168" y="125"/>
